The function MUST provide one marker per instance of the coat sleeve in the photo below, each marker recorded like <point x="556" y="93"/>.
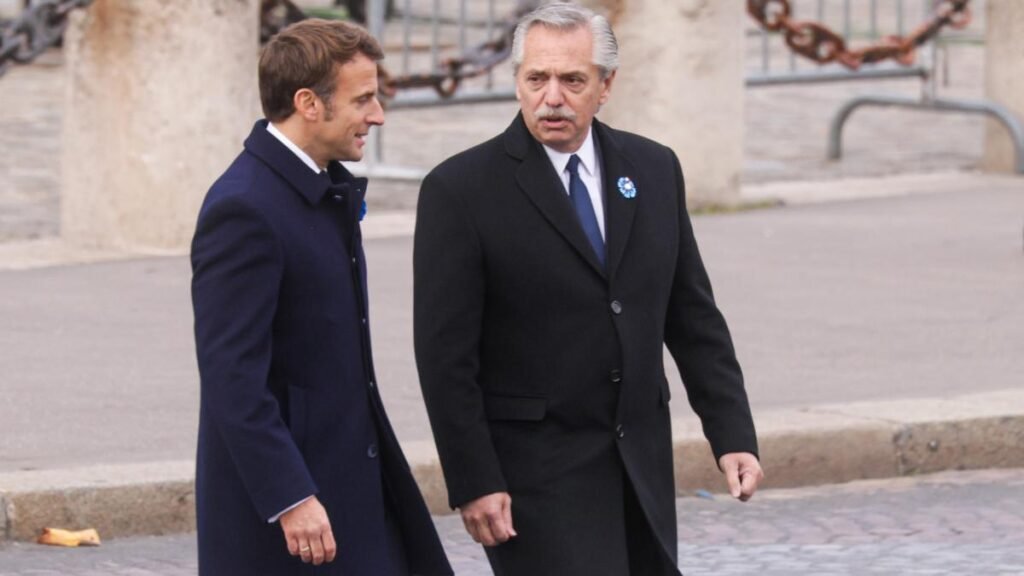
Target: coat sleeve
<point x="449" y="287"/>
<point x="698" y="339"/>
<point x="236" y="273"/>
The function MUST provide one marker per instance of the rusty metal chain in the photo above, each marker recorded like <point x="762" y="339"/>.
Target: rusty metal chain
<point x="42" y="25"/>
<point x="39" y="27"/>
<point x="451" y="72"/>
<point x="473" y="63"/>
<point x="276" y="15"/>
<point x="820" y="44"/>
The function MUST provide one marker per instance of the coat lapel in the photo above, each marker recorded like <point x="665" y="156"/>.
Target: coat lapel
<point x="618" y="209"/>
<point x="538" y="180"/>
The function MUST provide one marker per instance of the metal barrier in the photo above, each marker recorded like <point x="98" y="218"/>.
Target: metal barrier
<point x="479" y="31"/>
<point x="424" y="31"/>
<point x="896" y="13"/>
<point x="423" y="36"/>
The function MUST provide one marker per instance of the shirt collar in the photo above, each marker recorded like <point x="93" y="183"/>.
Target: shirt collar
<point x="587" y="154"/>
<point x="294" y="148"/>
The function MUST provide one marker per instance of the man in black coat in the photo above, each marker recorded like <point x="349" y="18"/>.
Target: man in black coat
<point x="552" y="263"/>
<point x="297" y="462"/>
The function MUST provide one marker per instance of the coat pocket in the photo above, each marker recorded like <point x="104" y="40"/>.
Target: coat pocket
<point x="297" y="415"/>
<point x="524" y="408"/>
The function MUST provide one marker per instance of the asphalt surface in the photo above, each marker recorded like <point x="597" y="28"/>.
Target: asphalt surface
<point x="962" y="523"/>
<point x="903" y="297"/>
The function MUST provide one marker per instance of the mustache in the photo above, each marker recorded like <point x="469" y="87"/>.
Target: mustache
<point x="546" y="112"/>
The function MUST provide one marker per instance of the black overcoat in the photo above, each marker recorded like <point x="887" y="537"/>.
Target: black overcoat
<point x="542" y="372"/>
<point x="289" y="405"/>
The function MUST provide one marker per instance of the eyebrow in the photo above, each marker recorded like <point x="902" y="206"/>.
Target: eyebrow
<point x="367" y="94"/>
<point x="565" y="74"/>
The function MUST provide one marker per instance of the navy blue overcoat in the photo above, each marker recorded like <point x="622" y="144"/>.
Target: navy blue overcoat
<point x="289" y="401"/>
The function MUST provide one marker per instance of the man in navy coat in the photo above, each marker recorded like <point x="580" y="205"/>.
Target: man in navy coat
<point x="553" y="264"/>
<point x="298" y="469"/>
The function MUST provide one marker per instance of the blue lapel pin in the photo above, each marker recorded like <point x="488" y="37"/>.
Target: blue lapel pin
<point x="627" y="188"/>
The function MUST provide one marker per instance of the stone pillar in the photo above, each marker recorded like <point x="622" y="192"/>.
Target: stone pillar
<point x="9" y="9"/>
<point x="1004" y="76"/>
<point x="681" y="82"/>
<point x="159" y="96"/>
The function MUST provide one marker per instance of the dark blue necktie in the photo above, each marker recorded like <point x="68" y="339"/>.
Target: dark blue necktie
<point x="584" y="209"/>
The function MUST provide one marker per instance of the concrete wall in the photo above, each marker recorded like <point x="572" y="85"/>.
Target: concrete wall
<point x="680" y="82"/>
<point x="159" y="97"/>
<point x="1004" y="76"/>
<point x="10" y="8"/>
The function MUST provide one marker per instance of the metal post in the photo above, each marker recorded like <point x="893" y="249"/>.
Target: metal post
<point x="846" y="19"/>
<point x="406" y="34"/>
<point x="435" y="39"/>
<point x="376" y="11"/>
<point x="462" y="26"/>
<point x="899" y="17"/>
<point x="874" y="19"/>
<point x="490" y="35"/>
<point x="990" y="109"/>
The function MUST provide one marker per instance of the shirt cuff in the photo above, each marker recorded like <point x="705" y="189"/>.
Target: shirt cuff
<point x="277" y="516"/>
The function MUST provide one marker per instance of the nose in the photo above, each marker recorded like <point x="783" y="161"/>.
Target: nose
<point x="376" y="115"/>
<point x="553" y="93"/>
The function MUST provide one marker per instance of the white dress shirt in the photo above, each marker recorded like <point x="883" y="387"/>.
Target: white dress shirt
<point x="590" y="173"/>
<point x="295" y="149"/>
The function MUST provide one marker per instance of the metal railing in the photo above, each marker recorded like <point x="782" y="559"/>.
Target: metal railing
<point x="899" y="15"/>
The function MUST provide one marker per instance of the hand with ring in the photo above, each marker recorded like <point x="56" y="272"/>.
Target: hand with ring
<point x="307" y="531"/>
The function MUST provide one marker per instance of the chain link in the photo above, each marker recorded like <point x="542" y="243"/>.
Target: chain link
<point x="276" y="15"/>
<point x="473" y="63"/>
<point x="820" y="44"/>
<point x="40" y="26"/>
<point x="451" y="72"/>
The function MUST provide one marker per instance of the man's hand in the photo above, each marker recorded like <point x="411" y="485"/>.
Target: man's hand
<point x="308" y="532"/>
<point x="488" y="519"/>
<point x="742" y="472"/>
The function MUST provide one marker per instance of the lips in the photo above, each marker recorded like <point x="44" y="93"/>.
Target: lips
<point x="554" y="122"/>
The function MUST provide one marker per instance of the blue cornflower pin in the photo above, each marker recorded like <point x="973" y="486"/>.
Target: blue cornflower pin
<point x="362" y="211"/>
<point x="627" y="188"/>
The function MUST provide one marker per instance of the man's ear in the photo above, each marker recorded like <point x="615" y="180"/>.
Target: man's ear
<point x="606" y="87"/>
<point x="307" y="104"/>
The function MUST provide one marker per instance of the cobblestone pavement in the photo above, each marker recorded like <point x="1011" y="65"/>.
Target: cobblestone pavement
<point x="963" y="523"/>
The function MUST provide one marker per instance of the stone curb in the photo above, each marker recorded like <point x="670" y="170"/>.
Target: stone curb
<point x="818" y="445"/>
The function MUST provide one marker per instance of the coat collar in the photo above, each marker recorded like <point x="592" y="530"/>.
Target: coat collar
<point x="310" y="185"/>
<point x="538" y="180"/>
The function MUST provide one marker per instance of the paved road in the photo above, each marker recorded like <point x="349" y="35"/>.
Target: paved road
<point x="962" y="523"/>
<point x="879" y="299"/>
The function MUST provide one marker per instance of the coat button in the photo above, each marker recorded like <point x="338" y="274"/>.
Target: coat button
<point x="620" y="431"/>
<point x="616" y="307"/>
<point x="372" y="384"/>
<point x="353" y="260"/>
<point x="371" y="451"/>
<point x="616" y="376"/>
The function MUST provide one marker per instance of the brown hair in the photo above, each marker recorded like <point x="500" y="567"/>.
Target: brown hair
<point x="306" y="55"/>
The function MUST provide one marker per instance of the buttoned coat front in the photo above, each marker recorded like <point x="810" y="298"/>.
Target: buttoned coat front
<point x="289" y="403"/>
<point x="542" y="370"/>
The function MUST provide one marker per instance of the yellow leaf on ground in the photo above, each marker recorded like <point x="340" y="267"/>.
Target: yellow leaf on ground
<point x="59" y="537"/>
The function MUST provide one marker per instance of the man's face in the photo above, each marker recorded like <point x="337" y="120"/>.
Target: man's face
<point x="558" y="86"/>
<point x="353" y="109"/>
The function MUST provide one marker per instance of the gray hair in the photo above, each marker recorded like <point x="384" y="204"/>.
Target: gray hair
<point x="567" y="17"/>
